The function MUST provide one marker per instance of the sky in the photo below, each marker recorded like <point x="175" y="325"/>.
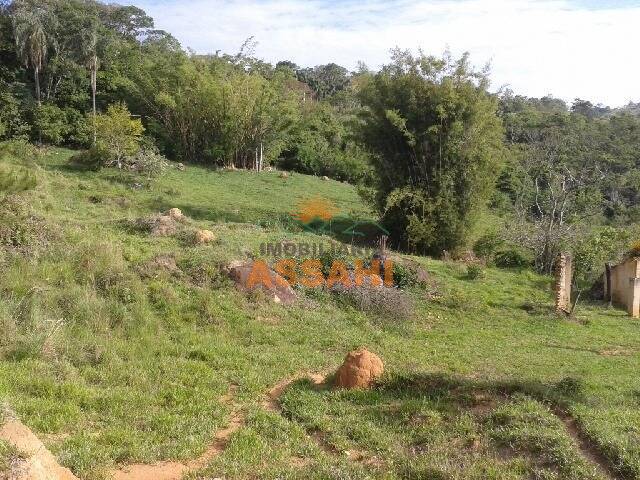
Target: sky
<point x="567" y="48"/>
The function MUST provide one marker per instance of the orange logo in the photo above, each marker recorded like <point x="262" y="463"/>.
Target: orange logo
<point x="316" y="208"/>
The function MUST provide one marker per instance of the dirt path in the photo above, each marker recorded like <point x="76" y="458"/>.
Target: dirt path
<point x="176" y="470"/>
<point x="39" y="463"/>
<point x="589" y="451"/>
<point x="272" y="401"/>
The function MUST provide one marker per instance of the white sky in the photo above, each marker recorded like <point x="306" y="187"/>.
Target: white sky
<point x="567" y="48"/>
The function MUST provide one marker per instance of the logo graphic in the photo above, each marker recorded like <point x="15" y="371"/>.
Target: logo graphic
<point x="319" y="215"/>
<point x="315" y="209"/>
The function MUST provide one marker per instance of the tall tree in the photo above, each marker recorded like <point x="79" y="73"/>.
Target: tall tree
<point x="31" y="38"/>
<point x="437" y="140"/>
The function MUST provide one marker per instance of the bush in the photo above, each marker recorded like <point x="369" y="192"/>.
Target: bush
<point x="475" y="271"/>
<point x="15" y="179"/>
<point x="50" y="124"/>
<point x="148" y="161"/>
<point x="20" y="149"/>
<point x="513" y="258"/>
<point x="487" y="245"/>
<point x="404" y="276"/>
<point x="388" y="303"/>
<point x="118" y="136"/>
<point x="89" y="159"/>
<point x="328" y="257"/>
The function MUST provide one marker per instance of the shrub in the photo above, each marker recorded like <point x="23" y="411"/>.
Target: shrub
<point x="487" y="245"/>
<point x="50" y="124"/>
<point x="404" y="276"/>
<point x="594" y="249"/>
<point x="513" y="258"/>
<point x="148" y="161"/>
<point x="475" y="271"/>
<point x="20" y="149"/>
<point x="386" y="302"/>
<point x="328" y="257"/>
<point x="117" y="135"/>
<point x="15" y="179"/>
<point x="89" y="159"/>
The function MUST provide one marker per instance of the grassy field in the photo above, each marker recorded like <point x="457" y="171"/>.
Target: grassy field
<point x="112" y="358"/>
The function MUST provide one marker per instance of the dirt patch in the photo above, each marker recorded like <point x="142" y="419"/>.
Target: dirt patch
<point x="39" y="463"/>
<point x="590" y="452"/>
<point x="617" y="352"/>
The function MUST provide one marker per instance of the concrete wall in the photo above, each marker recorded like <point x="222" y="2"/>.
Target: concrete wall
<point x="625" y="285"/>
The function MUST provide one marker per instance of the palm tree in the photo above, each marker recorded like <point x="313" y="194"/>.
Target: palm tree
<point x="89" y="53"/>
<point x="31" y="41"/>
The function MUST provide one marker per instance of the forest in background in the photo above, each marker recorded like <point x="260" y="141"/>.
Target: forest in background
<point x="448" y="165"/>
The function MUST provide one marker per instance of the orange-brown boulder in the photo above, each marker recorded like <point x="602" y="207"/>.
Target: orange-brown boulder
<point x="359" y="370"/>
<point x="243" y="275"/>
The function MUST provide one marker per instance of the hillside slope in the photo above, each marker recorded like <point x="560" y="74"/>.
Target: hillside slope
<point x="118" y="347"/>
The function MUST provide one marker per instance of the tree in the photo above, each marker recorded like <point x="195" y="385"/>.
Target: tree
<point x="31" y="38"/>
<point x="325" y="80"/>
<point x="89" y="56"/>
<point x="118" y="135"/>
<point x="557" y="185"/>
<point x="437" y="142"/>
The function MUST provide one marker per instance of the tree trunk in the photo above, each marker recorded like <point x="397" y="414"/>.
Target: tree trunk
<point x="36" y="72"/>
<point x="94" y="68"/>
<point x="260" y="163"/>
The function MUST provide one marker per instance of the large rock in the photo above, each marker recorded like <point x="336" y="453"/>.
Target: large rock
<point x="359" y="370"/>
<point x="250" y="276"/>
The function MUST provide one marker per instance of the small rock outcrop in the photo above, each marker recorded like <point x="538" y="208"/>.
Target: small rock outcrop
<point x="201" y="237"/>
<point x="175" y="213"/>
<point x="162" y="226"/>
<point x="250" y="276"/>
<point x="359" y="370"/>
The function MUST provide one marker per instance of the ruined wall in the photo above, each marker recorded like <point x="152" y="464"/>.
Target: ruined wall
<point x="563" y="274"/>
<point x="625" y="285"/>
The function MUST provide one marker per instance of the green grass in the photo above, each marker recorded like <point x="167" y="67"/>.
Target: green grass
<point x="113" y="360"/>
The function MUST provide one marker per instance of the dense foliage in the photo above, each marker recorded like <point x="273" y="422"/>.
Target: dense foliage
<point x="424" y="138"/>
<point x="438" y="142"/>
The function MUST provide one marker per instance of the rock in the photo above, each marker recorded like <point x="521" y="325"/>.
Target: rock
<point x="283" y="175"/>
<point x="359" y="370"/>
<point x="163" y="225"/>
<point x="204" y="236"/>
<point x="325" y="178"/>
<point x="175" y="213"/>
<point x="271" y="282"/>
<point x="180" y="166"/>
